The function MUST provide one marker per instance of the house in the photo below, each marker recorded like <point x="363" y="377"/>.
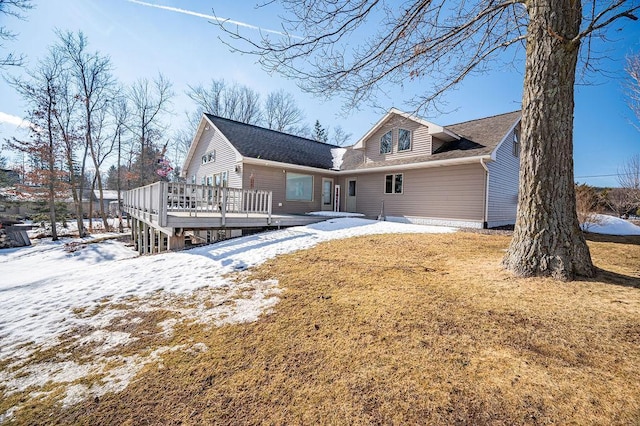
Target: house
<point x="403" y="169"/>
<point x="91" y="200"/>
<point x="240" y="177"/>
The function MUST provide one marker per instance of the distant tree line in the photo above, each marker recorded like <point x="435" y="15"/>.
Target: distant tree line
<point x="279" y="110"/>
<point x="88" y="132"/>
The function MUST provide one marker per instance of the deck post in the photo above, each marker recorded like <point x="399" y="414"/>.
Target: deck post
<point x="140" y="244"/>
<point x="223" y="219"/>
<point x="163" y="198"/>
<point x="269" y="203"/>
<point x="145" y="238"/>
<point x="150" y="201"/>
<point x="175" y="242"/>
<point x="133" y="231"/>
<point x="161" y="246"/>
<point x="152" y="240"/>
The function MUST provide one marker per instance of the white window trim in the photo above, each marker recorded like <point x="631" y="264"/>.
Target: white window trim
<point x="393" y="184"/>
<point x="209" y="157"/>
<point x="410" y="140"/>
<point x="390" y="132"/>
<point x="313" y="178"/>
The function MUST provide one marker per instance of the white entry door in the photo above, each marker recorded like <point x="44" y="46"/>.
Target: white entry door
<point x="327" y="194"/>
<point x="350" y="196"/>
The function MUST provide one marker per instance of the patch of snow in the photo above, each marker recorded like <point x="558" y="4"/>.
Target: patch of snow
<point x="337" y="155"/>
<point x="7" y="414"/>
<point x="167" y="327"/>
<point x="41" y="373"/>
<point x="611" y="225"/>
<point x="54" y="297"/>
<point x="107" y="340"/>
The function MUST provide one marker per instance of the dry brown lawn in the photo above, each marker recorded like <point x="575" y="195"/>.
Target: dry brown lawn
<point x="402" y="329"/>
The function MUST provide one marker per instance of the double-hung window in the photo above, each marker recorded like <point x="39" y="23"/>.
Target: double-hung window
<point x="393" y="184"/>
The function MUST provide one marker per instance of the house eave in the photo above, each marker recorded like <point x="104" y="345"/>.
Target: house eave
<point x="278" y="164"/>
<point x="494" y="153"/>
<point x="423" y="165"/>
<point x="204" y="121"/>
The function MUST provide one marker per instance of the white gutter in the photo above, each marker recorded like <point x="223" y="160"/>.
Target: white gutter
<point x="486" y="192"/>
<point x="423" y="165"/>
<point x="410" y="166"/>
<point x="278" y="164"/>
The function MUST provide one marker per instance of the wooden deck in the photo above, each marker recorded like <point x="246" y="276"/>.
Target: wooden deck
<point x="172" y="208"/>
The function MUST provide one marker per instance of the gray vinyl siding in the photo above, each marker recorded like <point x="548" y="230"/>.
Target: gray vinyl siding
<point x="503" y="185"/>
<point x="420" y="140"/>
<point x="453" y="192"/>
<point x="225" y="159"/>
<point x="274" y="179"/>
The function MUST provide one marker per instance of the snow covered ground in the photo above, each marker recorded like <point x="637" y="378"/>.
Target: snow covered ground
<point x="611" y="225"/>
<point x="74" y="292"/>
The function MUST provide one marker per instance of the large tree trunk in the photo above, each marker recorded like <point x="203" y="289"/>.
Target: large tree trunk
<point x="547" y="240"/>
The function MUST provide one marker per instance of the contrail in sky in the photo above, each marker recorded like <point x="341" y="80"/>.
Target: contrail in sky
<point x="12" y="119"/>
<point x="213" y="18"/>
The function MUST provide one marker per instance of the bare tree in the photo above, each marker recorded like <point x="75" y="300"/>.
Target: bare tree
<point x="148" y="101"/>
<point x="633" y="83"/>
<point x="619" y="200"/>
<point x="442" y="42"/>
<point x="339" y="136"/>
<point x="587" y="206"/>
<point x="40" y="91"/>
<point x="244" y="105"/>
<point x="207" y="99"/>
<point x="629" y="178"/>
<point x="120" y="112"/>
<point x="281" y="112"/>
<point x="14" y="8"/>
<point x="69" y="124"/>
<point x="95" y="83"/>
<point x="236" y="102"/>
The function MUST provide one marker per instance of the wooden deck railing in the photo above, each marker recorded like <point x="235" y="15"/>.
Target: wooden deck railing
<point x="153" y="202"/>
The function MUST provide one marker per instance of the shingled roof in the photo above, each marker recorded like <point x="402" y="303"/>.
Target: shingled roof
<point x="478" y="138"/>
<point x="265" y="144"/>
<point x="481" y="135"/>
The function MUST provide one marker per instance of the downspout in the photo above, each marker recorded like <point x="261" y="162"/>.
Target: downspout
<point x="486" y="194"/>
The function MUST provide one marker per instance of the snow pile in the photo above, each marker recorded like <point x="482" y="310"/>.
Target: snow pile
<point x="93" y="298"/>
<point x="337" y="155"/>
<point x="611" y="225"/>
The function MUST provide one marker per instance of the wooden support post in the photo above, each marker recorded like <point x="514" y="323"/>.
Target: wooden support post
<point x="176" y="242"/>
<point x="140" y="241"/>
<point x="225" y="199"/>
<point x="134" y="232"/>
<point x="145" y="238"/>
<point x="152" y="240"/>
<point x="161" y="246"/>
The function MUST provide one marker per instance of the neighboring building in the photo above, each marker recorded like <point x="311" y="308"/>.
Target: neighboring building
<point x="93" y="198"/>
<point x="8" y="177"/>
<point x="403" y="169"/>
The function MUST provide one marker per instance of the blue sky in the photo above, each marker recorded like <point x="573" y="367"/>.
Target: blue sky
<point x="143" y="40"/>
